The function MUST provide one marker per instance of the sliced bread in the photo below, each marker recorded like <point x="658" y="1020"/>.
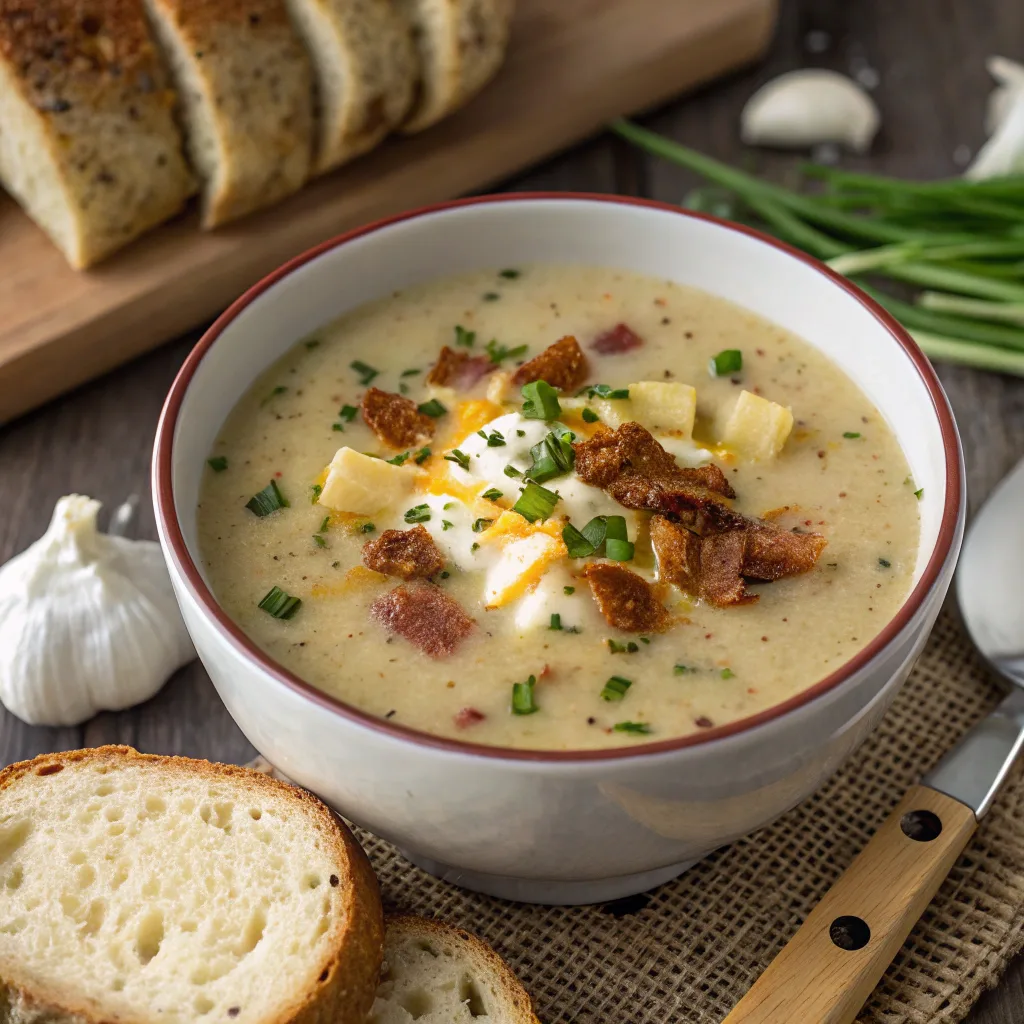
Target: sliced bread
<point x="88" y="144"/>
<point x="436" y="974"/>
<point x="461" y="44"/>
<point x="365" y="69"/>
<point x="139" y="888"/>
<point x="245" y="99"/>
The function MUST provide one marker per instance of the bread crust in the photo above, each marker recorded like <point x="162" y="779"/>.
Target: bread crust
<point x="346" y="978"/>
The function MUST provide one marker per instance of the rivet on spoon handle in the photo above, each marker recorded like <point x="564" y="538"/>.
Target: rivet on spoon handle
<point x="826" y="972"/>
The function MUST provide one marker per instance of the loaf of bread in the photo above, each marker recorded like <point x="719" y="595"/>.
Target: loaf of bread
<point x="88" y="144"/>
<point x="436" y="974"/>
<point x="365" y="70"/>
<point x="244" y="97"/>
<point x="139" y="888"/>
<point x="461" y="45"/>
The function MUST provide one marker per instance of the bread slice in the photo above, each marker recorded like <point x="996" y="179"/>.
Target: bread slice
<point x="365" y="68"/>
<point x="139" y="888"/>
<point x="436" y="974"/>
<point x="245" y="99"/>
<point x="461" y="45"/>
<point x="88" y="145"/>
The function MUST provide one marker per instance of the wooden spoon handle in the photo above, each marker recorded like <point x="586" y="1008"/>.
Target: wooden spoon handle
<point x="826" y="972"/>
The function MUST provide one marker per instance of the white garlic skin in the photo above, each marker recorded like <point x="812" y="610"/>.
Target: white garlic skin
<point x="801" y="109"/>
<point x="88" y="622"/>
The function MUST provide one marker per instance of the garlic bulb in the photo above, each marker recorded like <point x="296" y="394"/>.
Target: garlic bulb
<point x="88" y="622"/>
<point x="1004" y="122"/>
<point x="805" y="108"/>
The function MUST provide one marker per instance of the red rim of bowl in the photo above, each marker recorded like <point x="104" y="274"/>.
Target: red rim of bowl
<point x="164" y="501"/>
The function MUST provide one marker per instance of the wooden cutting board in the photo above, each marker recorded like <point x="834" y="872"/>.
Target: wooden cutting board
<point x="572" y="66"/>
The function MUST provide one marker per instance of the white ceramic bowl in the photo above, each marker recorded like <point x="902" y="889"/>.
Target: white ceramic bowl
<point x="558" y="827"/>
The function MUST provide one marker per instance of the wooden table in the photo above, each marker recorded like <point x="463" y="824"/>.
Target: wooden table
<point x="929" y="57"/>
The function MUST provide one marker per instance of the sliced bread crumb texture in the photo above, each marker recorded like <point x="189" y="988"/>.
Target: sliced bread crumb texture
<point x="139" y="888"/>
<point x="88" y="144"/>
<point x="244" y="99"/>
<point x="436" y="974"/>
<point x="461" y="44"/>
<point x="364" y="68"/>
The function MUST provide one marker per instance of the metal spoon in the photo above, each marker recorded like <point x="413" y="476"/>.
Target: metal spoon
<point x="826" y="972"/>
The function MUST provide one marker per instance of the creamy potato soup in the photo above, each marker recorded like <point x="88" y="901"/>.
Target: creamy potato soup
<point x="559" y="508"/>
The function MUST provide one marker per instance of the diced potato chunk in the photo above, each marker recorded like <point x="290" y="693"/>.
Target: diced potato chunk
<point x="364" y="485"/>
<point x="757" y="428"/>
<point x="664" y="406"/>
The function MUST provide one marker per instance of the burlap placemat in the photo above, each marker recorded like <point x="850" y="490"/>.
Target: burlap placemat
<point x="688" y="950"/>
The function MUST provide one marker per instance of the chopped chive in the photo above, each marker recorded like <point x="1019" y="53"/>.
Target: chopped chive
<point x="421" y="456"/>
<point x="616" y="648"/>
<point x="446" y="525"/>
<point x="279" y="604"/>
<point x="218" y="463"/>
<point x="319" y="541"/>
<point x="520" y="433"/>
<point x="474" y="547"/>
<point x="479" y="525"/>
<point x="314" y="493"/>
<point x="447" y="505"/>
<point x="556" y="621"/>
<point x="885" y="563"/>
<point x="498" y="352"/>
<point x="491" y="296"/>
<point x="552" y="457"/>
<point x="535" y="502"/>
<point x="511" y="471"/>
<point x="918" y="493"/>
<point x="279" y="390"/>
<point x="595" y="532"/>
<point x="682" y="670"/>
<point x="338" y="426"/>
<point x="463" y="337"/>
<point x="522" y="697"/>
<point x="348" y="413"/>
<point x="413" y="372"/>
<point x="367" y="528"/>
<point x="334" y="565"/>
<point x="589" y="416"/>
<point x="615" y="688"/>
<point x="270" y="499"/>
<point x="851" y="435"/>
<point x="619" y="550"/>
<point x="461" y="458"/>
<point x="645" y="639"/>
<point x="495" y="439"/>
<point x="575" y="543"/>
<point x="727" y="673"/>
<point x="403" y="387"/>
<point x="605" y="391"/>
<point x="366" y="373"/>
<point x="510" y="274"/>
<point x="313" y="343"/>
<point x="418" y="514"/>
<point x="432" y="408"/>
<point x="399" y="460"/>
<point x="540" y="401"/>
<point x="729" y="360"/>
<point x="637" y="728"/>
<point x="568" y="590"/>
<point x="445" y="574"/>
<point x="491" y="494"/>
<point x="325" y="523"/>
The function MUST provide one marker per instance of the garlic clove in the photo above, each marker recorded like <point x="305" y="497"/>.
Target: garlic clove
<point x="805" y="108"/>
<point x="1010" y="76"/>
<point x="1003" y="153"/>
<point x="88" y="622"/>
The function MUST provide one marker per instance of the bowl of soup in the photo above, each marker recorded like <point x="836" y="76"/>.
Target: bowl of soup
<point x="558" y="539"/>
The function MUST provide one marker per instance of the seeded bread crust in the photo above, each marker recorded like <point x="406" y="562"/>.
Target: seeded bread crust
<point x="461" y="45"/>
<point x="348" y="974"/>
<point x="88" y="144"/>
<point x="244" y="99"/>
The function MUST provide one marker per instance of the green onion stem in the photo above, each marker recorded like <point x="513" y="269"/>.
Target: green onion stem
<point x="942" y="302"/>
<point x="980" y="357"/>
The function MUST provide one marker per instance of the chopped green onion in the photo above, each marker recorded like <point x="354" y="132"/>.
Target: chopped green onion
<point x="522" y="697"/>
<point x="421" y="456"/>
<point x="510" y="274"/>
<point x="615" y="688"/>
<point x="474" y="547"/>
<point x="432" y="408"/>
<point x="312" y="343"/>
<point x="398" y="460"/>
<point x="279" y="604"/>
<point x="511" y="471"/>
<point x="218" y="463"/>
<point x="279" y="390"/>
<point x="568" y="590"/>
<point x="540" y="401"/>
<point x="366" y="373"/>
<point x="556" y="621"/>
<point x="418" y="514"/>
<point x="885" y="563"/>
<point x="479" y="525"/>
<point x="552" y="457"/>
<point x="447" y="505"/>
<point x="491" y="296"/>
<point x="325" y="523"/>
<point x="338" y="426"/>
<point x="682" y="670"/>
<point x="491" y="494"/>
<point x="461" y="458"/>
<point x="535" y="502"/>
<point x="575" y="543"/>
<point x="411" y="372"/>
<point x="619" y="550"/>
<point x="589" y="416"/>
<point x="729" y="360"/>
<point x="319" y="541"/>
<point x="595" y="531"/>
<point x="315" y="491"/>
<point x="638" y="728"/>
<point x="616" y="648"/>
<point x="851" y="435"/>
<point x="917" y="494"/>
<point x="270" y="499"/>
<point x="348" y="412"/>
<point x="495" y="439"/>
<point x="605" y="391"/>
<point x="727" y="673"/>
<point x="499" y="352"/>
<point x="367" y="528"/>
<point x="445" y="525"/>
<point x="403" y="387"/>
<point x="463" y="337"/>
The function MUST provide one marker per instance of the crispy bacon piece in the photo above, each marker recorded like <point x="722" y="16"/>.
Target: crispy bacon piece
<point x="467" y="717"/>
<point x="563" y="365"/>
<point x="637" y="472"/>
<point x="407" y="554"/>
<point x="425" y="616"/>
<point x="716" y="567"/>
<point x="620" y="338"/>
<point x="395" y="419"/>
<point x="625" y="599"/>
<point x="455" y="369"/>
